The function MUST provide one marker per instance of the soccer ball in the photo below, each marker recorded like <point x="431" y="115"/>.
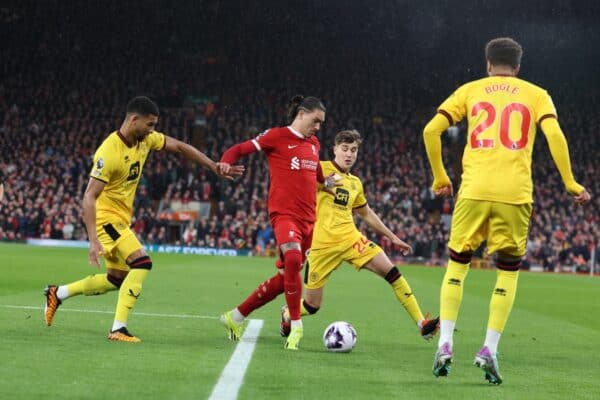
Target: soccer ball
<point x="339" y="337"/>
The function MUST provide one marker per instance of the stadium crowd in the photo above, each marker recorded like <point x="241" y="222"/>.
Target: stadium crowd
<point x="53" y="118"/>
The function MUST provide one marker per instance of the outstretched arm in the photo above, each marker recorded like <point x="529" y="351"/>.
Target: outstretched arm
<point x="374" y="222"/>
<point x="560" y="154"/>
<point x="191" y="153"/>
<point x="442" y="186"/>
<point x="233" y="153"/>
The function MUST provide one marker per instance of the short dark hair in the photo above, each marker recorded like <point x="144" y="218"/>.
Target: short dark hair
<point x="142" y="105"/>
<point x="306" y="103"/>
<point x="348" y="136"/>
<point x="504" y="51"/>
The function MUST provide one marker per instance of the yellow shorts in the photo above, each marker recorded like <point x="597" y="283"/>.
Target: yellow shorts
<point x="322" y="262"/>
<point x="118" y="241"/>
<point x="504" y="226"/>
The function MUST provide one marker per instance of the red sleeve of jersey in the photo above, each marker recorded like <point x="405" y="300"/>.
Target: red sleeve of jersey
<point x="320" y="177"/>
<point x="268" y="140"/>
<point x="233" y="153"/>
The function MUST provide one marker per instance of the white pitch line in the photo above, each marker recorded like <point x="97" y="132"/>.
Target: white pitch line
<point x="143" y="314"/>
<point x="230" y="381"/>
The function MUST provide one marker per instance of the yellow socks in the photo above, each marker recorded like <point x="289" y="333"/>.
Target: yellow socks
<point x="405" y="296"/>
<point x="90" y="286"/>
<point x="452" y="290"/>
<point x="129" y="292"/>
<point x="503" y="298"/>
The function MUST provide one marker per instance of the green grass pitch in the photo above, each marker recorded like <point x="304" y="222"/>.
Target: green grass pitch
<point x="550" y="350"/>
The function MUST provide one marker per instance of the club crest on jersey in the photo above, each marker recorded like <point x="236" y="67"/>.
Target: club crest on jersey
<point x="100" y="163"/>
<point x="314" y="149"/>
<point x="295" y="163"/>
<point x="291" y="234"/>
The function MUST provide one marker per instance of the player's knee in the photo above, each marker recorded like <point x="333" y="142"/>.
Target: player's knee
<point x="311" y="309"/>
<point x="293" y="259"/>
<point x="507" y="262"/>
<point x="462" y="258"/>
<point x="143" y="262"/>
<point x="115" y="280"/>
<point x="393" y="275"/>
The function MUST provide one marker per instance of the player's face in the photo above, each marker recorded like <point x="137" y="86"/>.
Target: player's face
<point x="310" y="122"/>
<point x="143" y="124"/>
<point x="345" y="154"/>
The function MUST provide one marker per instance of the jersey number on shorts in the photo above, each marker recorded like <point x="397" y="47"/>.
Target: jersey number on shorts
<point x="360" y="245"/>
<point x="504" y="126"/>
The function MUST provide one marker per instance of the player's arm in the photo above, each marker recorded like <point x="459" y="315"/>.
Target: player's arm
<point x="92" y="192"/>
<point x="432" y="136"/>
<point x="374" y="222"/>
<point x="189" y="152"/>
<point x="560" y="154"/>
<point x="240" y="150"/>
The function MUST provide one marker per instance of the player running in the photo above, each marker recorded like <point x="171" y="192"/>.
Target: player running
<point x="293" y="156"/>
<point x="337" y="239"/>
<point x="107" y="211"/>
<point x="495" y="198"/>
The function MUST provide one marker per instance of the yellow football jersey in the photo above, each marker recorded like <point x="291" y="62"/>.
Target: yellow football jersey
<point x="119" y="165"/>
<point x="502" y="113"/>
<point x="335" y="221"/>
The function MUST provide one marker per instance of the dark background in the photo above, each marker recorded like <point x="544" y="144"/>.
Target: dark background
<point x="67" y="69"/>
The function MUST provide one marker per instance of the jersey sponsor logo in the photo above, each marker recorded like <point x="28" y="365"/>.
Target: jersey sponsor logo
<point x="310" y="164"/>
<point x="292" y="146"/>
<point x="341" y="197"/>
<point x="134" y="171"/>
<point x="295" y="163"/>
<point x="100" y="163"/>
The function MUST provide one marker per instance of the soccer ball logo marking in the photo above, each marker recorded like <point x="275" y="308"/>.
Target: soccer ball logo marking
<point x="340" y="337"/>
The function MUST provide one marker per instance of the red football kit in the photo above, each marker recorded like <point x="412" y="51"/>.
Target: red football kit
<point x="294" y="171"/>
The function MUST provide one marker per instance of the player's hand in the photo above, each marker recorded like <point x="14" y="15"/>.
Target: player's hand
<point x="405" y="248"/>
<point x="582" y="197"/>
<point x="443" y="187"/>
<point x="331" y="181"/>
<point x="227" y="171"/>
<point x="96" y="250"/>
